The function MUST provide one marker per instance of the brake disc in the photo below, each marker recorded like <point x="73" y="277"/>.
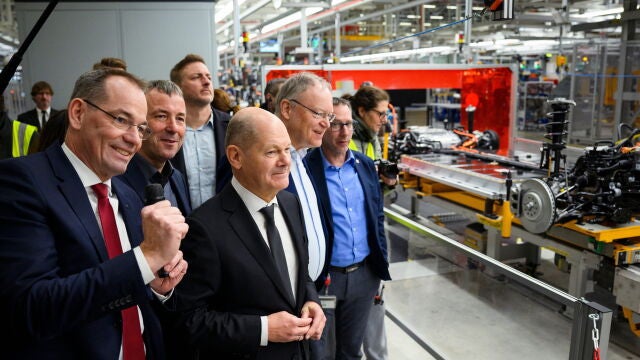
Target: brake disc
<point x="538" y="206"/>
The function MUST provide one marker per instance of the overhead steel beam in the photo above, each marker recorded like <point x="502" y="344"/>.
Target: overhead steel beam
<point x="376" y="14"/>
<point x="257" y="6"/>
<point x="7" y="42"/>
<point x="597" y="25"/>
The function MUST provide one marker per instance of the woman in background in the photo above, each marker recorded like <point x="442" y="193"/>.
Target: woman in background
<point x="369" y="106"/>
<point x="222" y="102"/>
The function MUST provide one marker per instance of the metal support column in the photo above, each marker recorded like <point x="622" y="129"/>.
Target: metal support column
<point x="304" y="37"/>
<point x="338" y="46"/>
<point x="236" y="32"/>
<point x="468" y="12"/>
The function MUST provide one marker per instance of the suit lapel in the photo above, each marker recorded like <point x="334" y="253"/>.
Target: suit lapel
<point x="247" y="231"/>
<point x="130" y="212"/>
<point x="178" y="186"/>
<point x="69" y="185"/>
<point x="316" y="167"/>
<point x="369" y="186"/>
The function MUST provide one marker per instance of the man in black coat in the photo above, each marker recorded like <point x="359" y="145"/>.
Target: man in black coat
<point x="248" y="294"/>
<point x="42" y="94"/>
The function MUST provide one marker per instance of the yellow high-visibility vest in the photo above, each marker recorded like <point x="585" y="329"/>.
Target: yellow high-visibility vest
<point x="21" y="135"/>
<point x="369" y="151"/>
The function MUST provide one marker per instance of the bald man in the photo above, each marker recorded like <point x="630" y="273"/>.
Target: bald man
<point x="248" y="293"/>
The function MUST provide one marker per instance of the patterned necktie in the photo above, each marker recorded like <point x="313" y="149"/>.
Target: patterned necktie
<point x="275" y="244"/>
<point x="132" y="344"/>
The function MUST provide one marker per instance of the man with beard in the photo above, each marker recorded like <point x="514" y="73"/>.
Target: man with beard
<point x="199" y="157"/>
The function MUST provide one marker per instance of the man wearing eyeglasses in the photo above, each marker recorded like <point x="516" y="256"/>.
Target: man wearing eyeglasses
<point x="166" y="117"/>
<point x="306" y="109"/>
<point x="80" y="254"/>
<point x="348" y="188"/>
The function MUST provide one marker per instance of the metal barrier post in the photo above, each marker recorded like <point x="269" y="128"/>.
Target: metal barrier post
<point x="588" y="340"/>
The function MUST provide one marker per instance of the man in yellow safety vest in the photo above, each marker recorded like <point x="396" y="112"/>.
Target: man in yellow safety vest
<point x="16" y="138"/>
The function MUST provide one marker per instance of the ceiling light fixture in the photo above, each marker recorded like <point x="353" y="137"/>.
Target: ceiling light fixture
<point x="226" y="9"/>
<point x="402" y="54"/>
<point x="289" y="19"/>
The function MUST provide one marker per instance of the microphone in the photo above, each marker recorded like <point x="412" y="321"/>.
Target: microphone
<point x="152" y="194"/>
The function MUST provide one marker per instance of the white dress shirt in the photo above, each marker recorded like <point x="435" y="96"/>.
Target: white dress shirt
<point x="254" y="204"/>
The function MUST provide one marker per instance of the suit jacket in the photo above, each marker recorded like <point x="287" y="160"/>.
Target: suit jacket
<point x="60" y="294"/>
<point x="137" y="180"/>
<point x="223" y="169"/>
<point x="374" y="205"/>
<point x="232" y="280"/>
<point x="31" y="117"/>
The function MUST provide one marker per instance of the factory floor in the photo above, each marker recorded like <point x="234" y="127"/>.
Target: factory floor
<point x="454" y="310"/>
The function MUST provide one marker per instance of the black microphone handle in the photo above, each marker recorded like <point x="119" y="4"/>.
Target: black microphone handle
<point x="152" y="194"/>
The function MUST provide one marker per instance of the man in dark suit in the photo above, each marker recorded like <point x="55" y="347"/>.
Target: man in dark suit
<point x="199" y="158"/>
<point x="248" y="294"/>
<point x="42" y="94"/>
<point x="80" y="256"/>
<point x="348" y="188"/>
<point x="166" y="117"/>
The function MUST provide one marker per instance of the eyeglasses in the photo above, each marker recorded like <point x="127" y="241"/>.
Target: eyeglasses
<point x="316" y="115"/>
<point x="336" y="125"/>
<point x="121" y="123"/>
<point x="381" y="114"/>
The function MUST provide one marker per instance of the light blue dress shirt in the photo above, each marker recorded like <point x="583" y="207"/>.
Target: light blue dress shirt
<point x="311" y="213"/>
<point x="200" y="161"/>
<point x="348" y="213"/>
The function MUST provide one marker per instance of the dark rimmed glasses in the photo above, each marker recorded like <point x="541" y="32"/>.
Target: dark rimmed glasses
<point x="381" y="114"/>
<point x="121" y="123"/>
<point x="337" y="125"/>
<point x="316" y="115"/>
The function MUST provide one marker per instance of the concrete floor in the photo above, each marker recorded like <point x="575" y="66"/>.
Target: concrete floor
<point x="462" y="313"/>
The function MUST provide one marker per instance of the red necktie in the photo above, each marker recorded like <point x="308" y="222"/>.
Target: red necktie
<point x="132" y="344"/>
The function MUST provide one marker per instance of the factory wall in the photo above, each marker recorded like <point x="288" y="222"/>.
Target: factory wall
<point x="150" y="37"/>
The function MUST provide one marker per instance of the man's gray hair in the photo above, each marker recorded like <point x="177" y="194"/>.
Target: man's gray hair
<point x="91" y="85"/>
<point x="167" y="87"/>
<point x="297" y="84"/>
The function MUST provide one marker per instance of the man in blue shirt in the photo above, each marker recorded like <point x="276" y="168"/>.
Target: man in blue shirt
<point x="356" y="261"/>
